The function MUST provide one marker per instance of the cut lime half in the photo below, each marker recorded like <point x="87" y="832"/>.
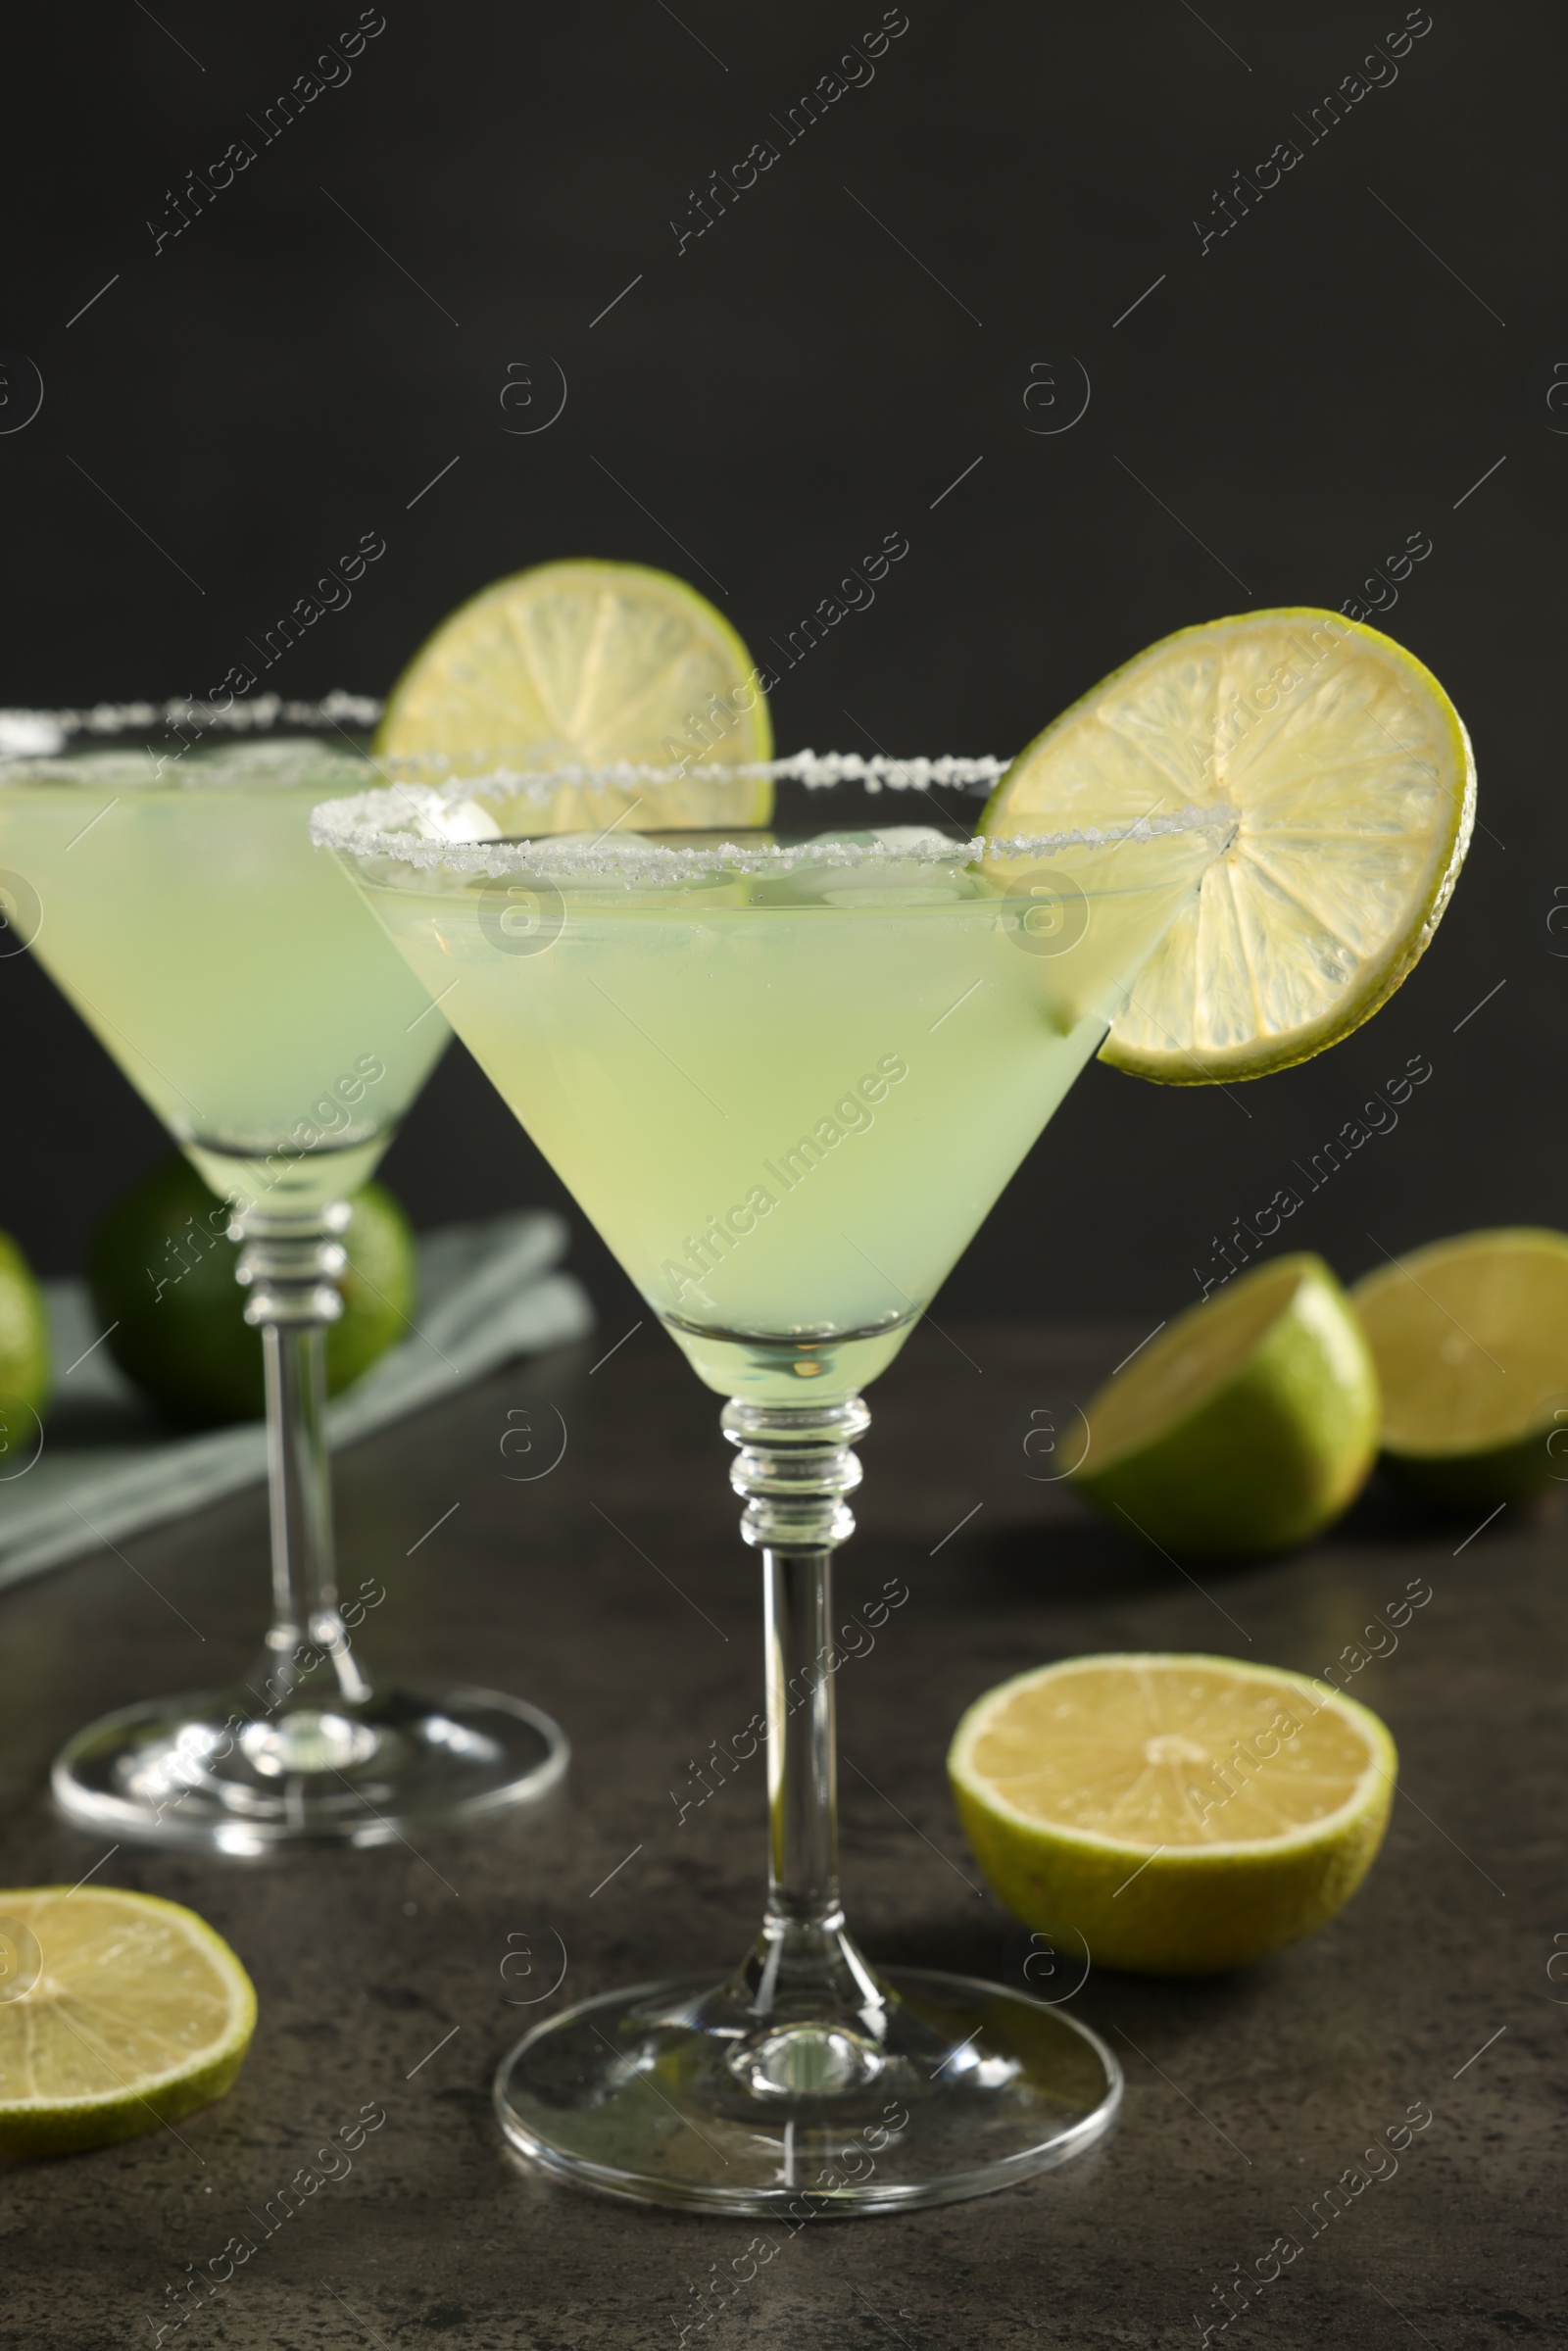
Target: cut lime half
<point x="1172" y="1815"/>
<point x="1246" y="1426"/>
<point x="1470" y="1337"/>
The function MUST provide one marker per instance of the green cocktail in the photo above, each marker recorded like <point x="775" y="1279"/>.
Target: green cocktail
<point x="228" y="973"/>
<point x="788" y="1087"/>
<point x="787" y="1080"/>
<point x="787" y="1077"/>
<point x="173" y="895"/>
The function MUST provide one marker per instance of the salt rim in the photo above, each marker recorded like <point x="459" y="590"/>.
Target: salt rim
<point x="39" y="734"/>
<point x="44" y="734"/>
<point x="28" y="735"/>
<point x="349" y="825"/>
<point x="819" y="770"/>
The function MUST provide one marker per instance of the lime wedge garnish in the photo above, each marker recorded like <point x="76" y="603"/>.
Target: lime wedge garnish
<point x="1172" y="1815"/>
<point x="1470" y="1338"/>
<point x="589" y="665"/>
<point x="1246" y="1426"/>
<point x="1353" y="787"/>
<point x="118" y="2012"/>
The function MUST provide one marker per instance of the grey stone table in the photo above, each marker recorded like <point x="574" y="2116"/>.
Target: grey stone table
<point x="615" y="1591"/>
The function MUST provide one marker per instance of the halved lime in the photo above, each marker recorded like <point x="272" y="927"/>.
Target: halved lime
<point x="1246" y="1426"/>
<point x="1171" y="1814"/>
<point x="118" y="2012"/>
<point x="1352" y="785"/>
<point x="1470" y="1337"/>
<point x="590" y="665"/>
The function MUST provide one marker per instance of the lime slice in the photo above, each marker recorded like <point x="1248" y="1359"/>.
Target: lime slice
<point x="1174" y="1815"/>
<point x="118" y="2012"/>
<point x="589" y="665"/>
<point x="1246" y="1426"/>
<point x="1353" y="787"/>
<point x="1470" y="1338"/>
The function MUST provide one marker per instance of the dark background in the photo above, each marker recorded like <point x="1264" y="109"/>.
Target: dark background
<point x="758" y="409"/>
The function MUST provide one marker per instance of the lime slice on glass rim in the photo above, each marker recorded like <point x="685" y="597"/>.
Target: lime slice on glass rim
<point x="1352" y="784"/>
<point x="1470" y="1337"/>
<point x="118" y="2012"/>
<point x="1173" y="1815"/>
<point x="588" y="664"/>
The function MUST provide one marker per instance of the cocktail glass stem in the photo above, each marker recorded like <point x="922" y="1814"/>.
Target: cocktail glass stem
<point x="795" y="1468"/>
<point x="804" y="2080"/>
<point x="289" y="1265"/>
<point x="308" y="1745"/>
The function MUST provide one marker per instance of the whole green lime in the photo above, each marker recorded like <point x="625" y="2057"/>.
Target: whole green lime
<point x="24" y="1370"/>
<point x="160" y="1270"/>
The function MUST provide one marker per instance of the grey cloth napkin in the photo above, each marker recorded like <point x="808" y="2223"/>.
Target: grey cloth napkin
<point x="108" y="1466"/>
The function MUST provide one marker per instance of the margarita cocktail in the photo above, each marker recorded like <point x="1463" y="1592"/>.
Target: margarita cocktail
<point x="787" y="1081"/>
<point x="173" y="894"/>
<point x="787" y="1078"/>
<point x="230" y="976"/>
<point x="786" y="1066"/>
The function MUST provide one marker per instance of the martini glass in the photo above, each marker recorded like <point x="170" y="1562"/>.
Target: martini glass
<point x="173" y="894"/>
<point x="786" y="1079"/>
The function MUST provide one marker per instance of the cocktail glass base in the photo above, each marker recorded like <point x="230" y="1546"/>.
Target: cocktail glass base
<point x="938" y="2089"/>
<point x="207" y="1771"/>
